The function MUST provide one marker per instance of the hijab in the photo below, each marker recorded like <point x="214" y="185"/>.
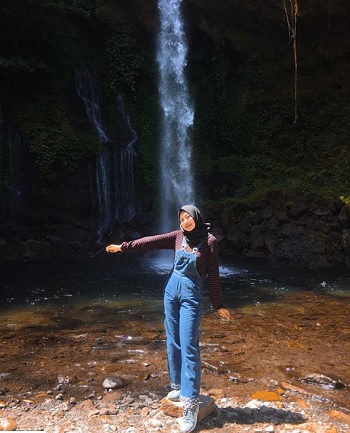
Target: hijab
<point x="201" y="230"/>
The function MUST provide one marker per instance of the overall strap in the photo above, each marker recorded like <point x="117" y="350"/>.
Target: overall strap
<point x="194" y="249"/>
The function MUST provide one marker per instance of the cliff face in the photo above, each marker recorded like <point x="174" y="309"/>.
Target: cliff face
<point x="255" y="27"/>
<point x="223" y="14"/>
<point x="241" y="69"/>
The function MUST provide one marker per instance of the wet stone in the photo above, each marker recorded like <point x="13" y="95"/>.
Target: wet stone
<point x="261" y="352"/>
<point x="113" y="382"/>
<point x="323" y="381"/>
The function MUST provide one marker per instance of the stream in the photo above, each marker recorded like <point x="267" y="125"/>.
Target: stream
<point x="72" y="324"/>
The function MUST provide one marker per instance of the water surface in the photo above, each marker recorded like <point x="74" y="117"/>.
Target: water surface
<point x="71" y="324"/>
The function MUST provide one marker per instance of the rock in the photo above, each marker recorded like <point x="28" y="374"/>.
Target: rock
<point x="104" y="411"/>
<point x="346" y="240"/>
<point x="313" y="427"/>
<point x="174" y="409"/>
<point x="155" y="423"/>
<point x="272" y="224"/>
<point x="257" y="241"/>
<point x="340" y="416"/>
<point x="171" y="408"/>
<point x="344" y="217"/>
<point x="84" y="406"/>
<point x="112" y="396"/>
<point x="266" y="395"/>
<point x="206" y="406"/>
<point x="331" y="429"/>
<point x="290" y="387"/>
<point x="302" y="404"/>
<point x="236" y="237"/>
<point x="224" y="219"/>
<point x="7" y="424"/>
<point x="266" y="212"/>
<point x="270" y="244"/>
<point x="323" y="381"/>
<point x="144" y="412"/>
<point x="93" y="413"/>
<point x="113" y="382"/>
<point x="281" y="215"/>
<point x="217" y="393"/>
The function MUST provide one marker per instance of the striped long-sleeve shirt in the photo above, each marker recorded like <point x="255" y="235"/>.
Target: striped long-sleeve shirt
<point x="207" y="261"/>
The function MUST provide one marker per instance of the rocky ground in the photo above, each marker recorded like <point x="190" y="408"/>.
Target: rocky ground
<point x="279" y="367"/>
<point x="143" y="412"/>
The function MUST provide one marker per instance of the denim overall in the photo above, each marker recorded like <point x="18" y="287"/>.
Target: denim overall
<point x="183" y="313"/>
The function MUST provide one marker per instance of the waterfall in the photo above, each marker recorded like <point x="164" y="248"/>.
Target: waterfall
<point x="176" y="178"/>
<point x="88" y="88"/>
<point x="117" y="161"/>
<point x="126" y="205"/>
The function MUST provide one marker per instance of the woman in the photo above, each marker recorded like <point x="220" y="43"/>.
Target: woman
<point x="196" y="256"/>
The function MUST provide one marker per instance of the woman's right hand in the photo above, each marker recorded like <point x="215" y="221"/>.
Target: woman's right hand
<point x="113" y="248"/>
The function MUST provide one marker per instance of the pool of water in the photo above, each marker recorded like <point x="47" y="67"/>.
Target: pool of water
<point x="110" y="308"/>
<point x="126" y="279"/>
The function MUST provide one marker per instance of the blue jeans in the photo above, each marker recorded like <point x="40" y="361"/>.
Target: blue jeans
<point x="183" y="313"/>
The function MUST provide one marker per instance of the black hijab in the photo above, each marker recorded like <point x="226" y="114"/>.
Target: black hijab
<point x="200" y="232"/>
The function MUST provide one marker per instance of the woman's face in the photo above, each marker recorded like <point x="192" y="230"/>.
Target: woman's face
<point x="186" y="221"/>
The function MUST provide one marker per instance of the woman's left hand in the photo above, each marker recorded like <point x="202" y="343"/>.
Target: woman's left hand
<point x="224" y="313"/>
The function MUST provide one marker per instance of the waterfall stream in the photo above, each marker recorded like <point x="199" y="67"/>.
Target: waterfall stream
<point x="116" y="163"/>
<point x="176" y="178"/>
<point x="88" y="88"/>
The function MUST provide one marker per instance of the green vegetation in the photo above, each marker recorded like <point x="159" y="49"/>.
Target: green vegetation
<point x="41" y="46"/>
<point x="245" y="133"/>
<point x="55" y="145"/>
<point x="245" y="140"/>
<point x="125" y="59"/>
<point x="79" y="7"/>
<point x="27" y="249"/>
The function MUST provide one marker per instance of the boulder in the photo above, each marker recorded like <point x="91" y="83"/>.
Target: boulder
<point x="174" y="408"/>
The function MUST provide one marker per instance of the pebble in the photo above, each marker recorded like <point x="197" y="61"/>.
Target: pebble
<point x="113" y="382"/>
<point x="144" y="412"/>
<point x="141" y="413"/>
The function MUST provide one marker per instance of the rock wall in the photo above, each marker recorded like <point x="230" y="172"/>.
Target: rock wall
<point x="311" y="233"/>
<point x="306" y="232"/>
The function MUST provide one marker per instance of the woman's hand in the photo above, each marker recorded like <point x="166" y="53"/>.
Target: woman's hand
<point x="114" y="248"/>
<point x="224" y="313"/>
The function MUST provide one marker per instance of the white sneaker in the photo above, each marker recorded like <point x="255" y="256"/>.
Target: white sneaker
<point x="174" y="395"/>
<point x="189" y="420"/>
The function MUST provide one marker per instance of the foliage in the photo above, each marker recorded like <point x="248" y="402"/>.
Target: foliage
<point x="346" y="200"/>
<point x="80" y="7"/>
<point x="144" y="111"/>
<point x="56" y="147"/>
<point x="35" y="37"/>
<point x="125" y="59"/>
<point x="245" y="137"/>
<point x="16" y="64"/>
<point x="41" y="47"/>
<point x="27" y="249"/>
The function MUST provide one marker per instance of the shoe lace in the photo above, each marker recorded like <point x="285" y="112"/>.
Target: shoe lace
<point x="188" y="414"/>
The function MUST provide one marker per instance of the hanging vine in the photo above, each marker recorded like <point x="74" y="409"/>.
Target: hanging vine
<point x="292" y="16"/>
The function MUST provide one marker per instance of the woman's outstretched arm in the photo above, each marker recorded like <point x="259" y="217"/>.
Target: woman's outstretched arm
<point x="113" y="248"/>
